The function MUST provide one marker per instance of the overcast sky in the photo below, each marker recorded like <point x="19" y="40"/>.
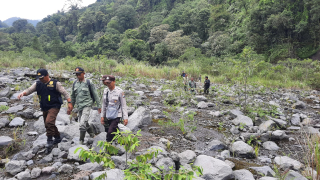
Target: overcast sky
<point x="32" y="9"/>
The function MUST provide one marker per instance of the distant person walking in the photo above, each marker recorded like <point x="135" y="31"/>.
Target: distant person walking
<point x="183" y="74"/>
<point x="192" y="86"/>
<point x="84" y="94"/>
<point x="185" y="82"/>
<point x="49" y="92"/>
<point x="114" y="106"/>
<point x="206" y="85"/>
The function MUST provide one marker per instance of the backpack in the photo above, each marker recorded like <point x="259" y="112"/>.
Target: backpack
<point x="89" y="85"/>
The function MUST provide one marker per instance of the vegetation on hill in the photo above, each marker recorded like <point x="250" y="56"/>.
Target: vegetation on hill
<point x="173" y="33"/>
<point x="10" y="21"/>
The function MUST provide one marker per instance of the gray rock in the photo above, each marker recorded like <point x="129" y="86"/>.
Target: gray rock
<point x="99" y="137"/>
<point x="55" y="151"/>
<point x="295" y="119"/>
<point x="213" y="169"/>
<point x="113" y="174"/>
<point x="155" y="111"/>
<point x="267" y="126"/>
<point x="14" y="167"/>
<point x="46" y="159"/>
<point x="90" y="167"/>
<point x="230" y="163"/>
<point x="294" y="175"/>
<point x="202" y="105"/>
<point x="120" y="162"/>
<point x="265" y="170"/>
<point x="280" y="123"/>
<point x="241" y="119"/>
<point x="75" y="156"/>
<point x="243" y="174"/>
<point x="166" y="163"/>
<point x="14" y="109"/>
<point x="191" y="137"/>
<point x="201" y="98"/>
<point x="30" y="162"/>
<point x="130" y="110"/>
<point x="284" y="161"/>
<point x="35" y="173"/>
<point x="4" y="99"/>
<point x="235" y="112"/>
<point x="41" y="141"/>
<point x="39" y="125"/>
<point x="140" y="117"/>
<point x="6" y="79"/>
<point x="264" y="159"/>
<point x="48" y="170"/>
<point x="279" y="135"/>
<point x="27" y="113"/>
<point x="57" y="165"/>
<point x="32" y="133"/>
<point x="25" y="175"/>
<point x="37" y="114"/>
<point x="5" y="140"/>
<point x="268" y="178"/>
<point x="271" y="146"/>
<point x="66" y="168"/>
<point x="299" y="105"/>
<point x="64" y="146"/>
<point x="225" y="154"/>
<point x="242" y="149"/>
<point x="3" y="104"/>
<point x="17" y="121"/>
<point x="70" y="131"/>
<point x="216" y="145"/>
<point x="187" y="157"/>
<point x="167" y="91"/>
<point x="62" y="119"/>
<point x="5" y="92"/>
<point x="23" y="155"/>
<point x="310" y="130"/>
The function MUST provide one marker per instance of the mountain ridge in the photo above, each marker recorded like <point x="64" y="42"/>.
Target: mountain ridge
<point x="10" y="21"/>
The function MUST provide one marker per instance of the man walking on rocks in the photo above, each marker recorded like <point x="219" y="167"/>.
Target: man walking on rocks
<point x="49" y="92"/>
<point x="84" y="94"/>
<point x="114" y="106"/>
<point x="206" y="85"/>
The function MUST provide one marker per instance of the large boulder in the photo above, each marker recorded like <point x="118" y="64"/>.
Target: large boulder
<point x="4" y="121"/>
<point x="140" y="117"/>
<point x="242" y="149"/>
<point x="213" y="169"/>
<point x="216" y="145"/>
<point x="39" y="125"/>
<point x="25" y="175"/>
<point x="241" y="119"/>
<point x="75" y="156"/>
<point x="95" y="122"/>
<point x="99" y="137"/>
<point x="285" y="161"/>
<point x="295" y="119"/>
<point x="27" y="113"/>
<point x="202" y="105"/>
<point x="267" y="126"/>
<point x="14" y="167"/>
<point x="271" y="146"/>
<point x="294" y="175"/>
<point x="90" y="167"/>
<point x="201" y="98"/>
<point x="41" y="141"/>
<point x="165" y="163"/>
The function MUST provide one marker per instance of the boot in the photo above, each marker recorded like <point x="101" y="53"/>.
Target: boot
<point x="49" y="146"/>
<point x="82" y="135"/>
<point x="90" y="131"/>
<point x="57" y="139"/>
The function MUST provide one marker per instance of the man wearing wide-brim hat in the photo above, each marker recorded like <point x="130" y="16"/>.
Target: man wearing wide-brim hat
<point x="49" y="92"/>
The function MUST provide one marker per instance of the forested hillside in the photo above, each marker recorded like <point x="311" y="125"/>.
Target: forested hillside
<point x="10" y="21"/>
<point x="171" y="31"/>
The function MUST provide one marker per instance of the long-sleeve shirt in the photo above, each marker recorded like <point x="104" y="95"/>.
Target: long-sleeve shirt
<point x="59" y="88"/>
<point x="81" y="96"/>
<point x="117" y="97"/>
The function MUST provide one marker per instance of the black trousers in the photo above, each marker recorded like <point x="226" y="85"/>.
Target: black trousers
<point x="206" y="90"/>
<point x="111" y="126"/>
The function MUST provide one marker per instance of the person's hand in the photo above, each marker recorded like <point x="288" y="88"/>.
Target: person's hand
<point x="70" y="107"/>
<point x="125" y="122"/>
<point x="102" y="121"/>
<point x="99" y="110"/>
<point x="20" y="95"/>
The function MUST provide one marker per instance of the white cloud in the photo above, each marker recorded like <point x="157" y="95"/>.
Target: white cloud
<point x="32" y="9"/>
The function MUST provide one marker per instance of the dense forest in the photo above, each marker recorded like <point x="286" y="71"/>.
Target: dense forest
<point x="171" y="31"/>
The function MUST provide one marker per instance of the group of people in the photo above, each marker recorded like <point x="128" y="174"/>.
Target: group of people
<point x="192" y="84"/>
<point x="112" y="107"/>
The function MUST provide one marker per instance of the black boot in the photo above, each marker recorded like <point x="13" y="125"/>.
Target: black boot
<point x="90" y="131"/>
<point x="49" y="145"/>
<point x="57" y="139"/>
<point x="82" y="135"/>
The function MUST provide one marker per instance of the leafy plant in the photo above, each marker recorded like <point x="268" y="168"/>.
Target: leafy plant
<point x="3" y="108"/>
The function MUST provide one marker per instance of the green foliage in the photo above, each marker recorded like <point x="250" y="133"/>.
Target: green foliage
<point x="3" y="108"/>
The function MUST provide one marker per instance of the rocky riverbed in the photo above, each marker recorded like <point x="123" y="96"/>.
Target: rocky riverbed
<point x="262" y="135"/>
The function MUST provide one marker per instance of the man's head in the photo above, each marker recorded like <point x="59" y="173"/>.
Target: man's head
<point x="43" y="75"/>
<point x="79" y="73"/>
<point x="109" y="81"/>
<point x="186" y="75"/>
<point x="206" y="77"/>
<point x="192" y="79"/>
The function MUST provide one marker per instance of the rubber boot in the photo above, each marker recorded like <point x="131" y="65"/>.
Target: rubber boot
<point x="49" y="145"/>
<point x="82" y="135"/>
<point x="57" y="139"/>
<point x="90" y="131"/>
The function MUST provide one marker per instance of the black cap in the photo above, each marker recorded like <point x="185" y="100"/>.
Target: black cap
<point x="206" y="76"/>
<point x="108" y="78"/>
<point x="42" y="73"/>
<point x="78" y="70"/>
